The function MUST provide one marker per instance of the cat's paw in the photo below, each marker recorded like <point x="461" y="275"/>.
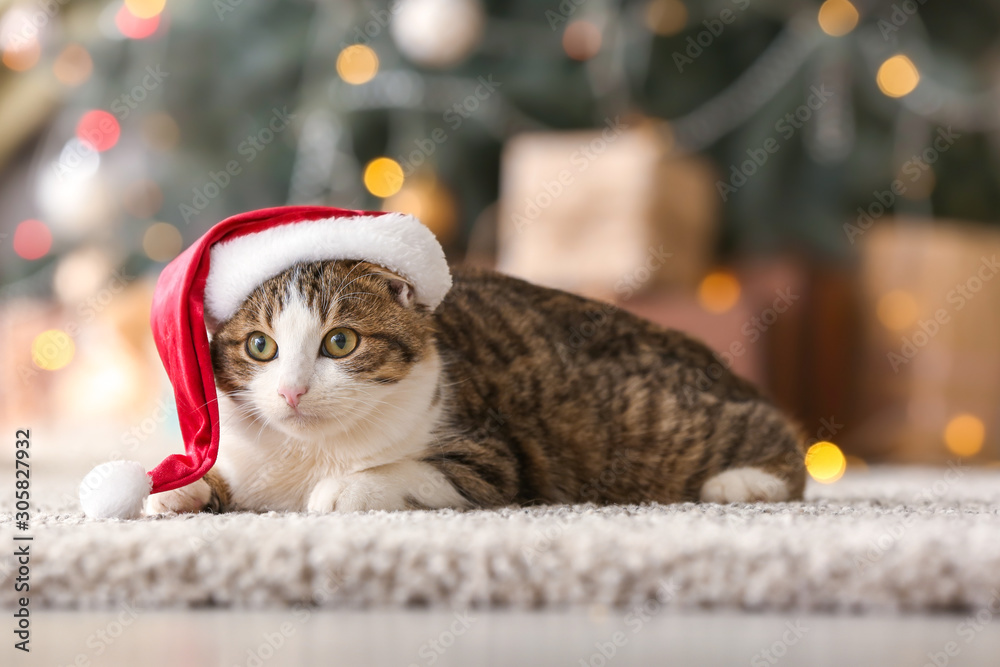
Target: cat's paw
<point x="359" y="492"/>
<point x="396" y="486"/>
<point x="191" y="498"/>
<point x="744" y="485"/>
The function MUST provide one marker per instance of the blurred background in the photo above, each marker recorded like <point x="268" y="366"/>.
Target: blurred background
<point x="810" y="187"/>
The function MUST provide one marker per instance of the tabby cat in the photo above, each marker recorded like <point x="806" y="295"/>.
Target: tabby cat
<point x="339" y="392"/>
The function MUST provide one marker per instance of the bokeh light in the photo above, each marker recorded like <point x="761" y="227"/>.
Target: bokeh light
<point x="98" y="129"/>
<point x="383" y="177"/>
<point x="856" y="463"/>
<point x="52" y="350"/>
<point x="22" y="57"/>
<point x="897" y="310"/>
<point x="582" y="40"/>
<point x="161" y="131"/>
<point x="666" y="17"/>
<point x="78" y="161"/>
<point x="429" y="201"/>
<point x="921" y="188"/>
<point x="81" y="273"/>
<point x="964" y="435"/>
<point x="145" y="9"/>
<point x="825" y="462"/>
<point x="897" y="76"/>
<point x="719" y="291"/>
<point x="73" y="66"/>
<point x="32" y="239"/>
<point x="838" y="17"/>
<point x="142" y="199"/>
<point x="357" y="64"/>
<point x="162" y="242"/>
<point x="134" y="27"/>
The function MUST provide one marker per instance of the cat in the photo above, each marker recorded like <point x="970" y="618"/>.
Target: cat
<point x="339" y="392"/>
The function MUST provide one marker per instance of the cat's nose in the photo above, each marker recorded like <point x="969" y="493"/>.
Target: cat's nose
<point x="292" y="394"/>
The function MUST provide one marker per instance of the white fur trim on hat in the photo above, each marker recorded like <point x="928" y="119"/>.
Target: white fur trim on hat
<point x="396" y="241"/>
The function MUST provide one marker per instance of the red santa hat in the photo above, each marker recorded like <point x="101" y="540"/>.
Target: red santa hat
<point x="208" y="282"/>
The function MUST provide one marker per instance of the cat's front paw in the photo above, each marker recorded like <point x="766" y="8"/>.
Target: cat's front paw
<point x="359" y="492"/>
<point x="191" y="498"/>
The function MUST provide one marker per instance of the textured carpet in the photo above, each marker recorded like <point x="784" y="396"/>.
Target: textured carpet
<point x="889" y="538"/>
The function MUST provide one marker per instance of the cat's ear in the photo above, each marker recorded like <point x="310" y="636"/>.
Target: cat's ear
<point x="403" y="291"/>
<point x="211" y="323"/>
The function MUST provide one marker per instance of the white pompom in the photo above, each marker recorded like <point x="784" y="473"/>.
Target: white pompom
<point x="115" y="490"/>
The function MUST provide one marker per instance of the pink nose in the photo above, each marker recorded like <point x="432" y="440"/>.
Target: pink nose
<point x="292" y="394"/>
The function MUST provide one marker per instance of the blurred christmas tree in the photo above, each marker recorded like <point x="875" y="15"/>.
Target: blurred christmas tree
<point x="809" y="110"/>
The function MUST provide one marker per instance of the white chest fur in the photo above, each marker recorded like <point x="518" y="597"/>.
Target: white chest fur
<point x="268" y="469"/>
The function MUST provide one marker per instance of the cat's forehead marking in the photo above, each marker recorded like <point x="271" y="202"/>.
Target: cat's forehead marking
<point x="297" y="320"/>
<point x="329" y="289"/>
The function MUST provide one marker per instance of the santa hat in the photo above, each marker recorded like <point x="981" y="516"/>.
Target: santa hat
<point x="209" y="281"/>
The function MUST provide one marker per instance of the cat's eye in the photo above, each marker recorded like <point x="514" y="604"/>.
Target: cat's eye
<point x="261" y="347"/>
<point x="339" y="342"/>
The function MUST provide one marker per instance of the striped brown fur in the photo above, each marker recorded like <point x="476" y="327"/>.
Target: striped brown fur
<point x="549" y="397"/>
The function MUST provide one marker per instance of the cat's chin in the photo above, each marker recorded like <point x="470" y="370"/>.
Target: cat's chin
<point x="301" y="426"/>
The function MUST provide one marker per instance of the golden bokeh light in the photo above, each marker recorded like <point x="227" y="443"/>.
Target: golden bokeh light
<point x="357" y="64"/>
<point x="22" y="57"/>
<point x="964" y="435"/>
<point x="897" y="76"/>
<point x="582" y="40"/>
<point x="430" y="202"/>
<point x="825" y="462"/>
<point x="719" y="291"/>
<point x="162" y="242"/>
<point x="666" y="17"/>
<point x="73" y="66"/>
<point x="52" y="350"/>
<point x="145" y="9"/>
<point x="856" y="463"/>
<point x="383" y="177"/>
<point x="160" y="131"/>
<point x="897" y="310"/>
<point x="838" y="17"/>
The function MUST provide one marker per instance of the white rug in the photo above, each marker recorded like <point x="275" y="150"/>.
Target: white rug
<point x="897" y="538"/>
